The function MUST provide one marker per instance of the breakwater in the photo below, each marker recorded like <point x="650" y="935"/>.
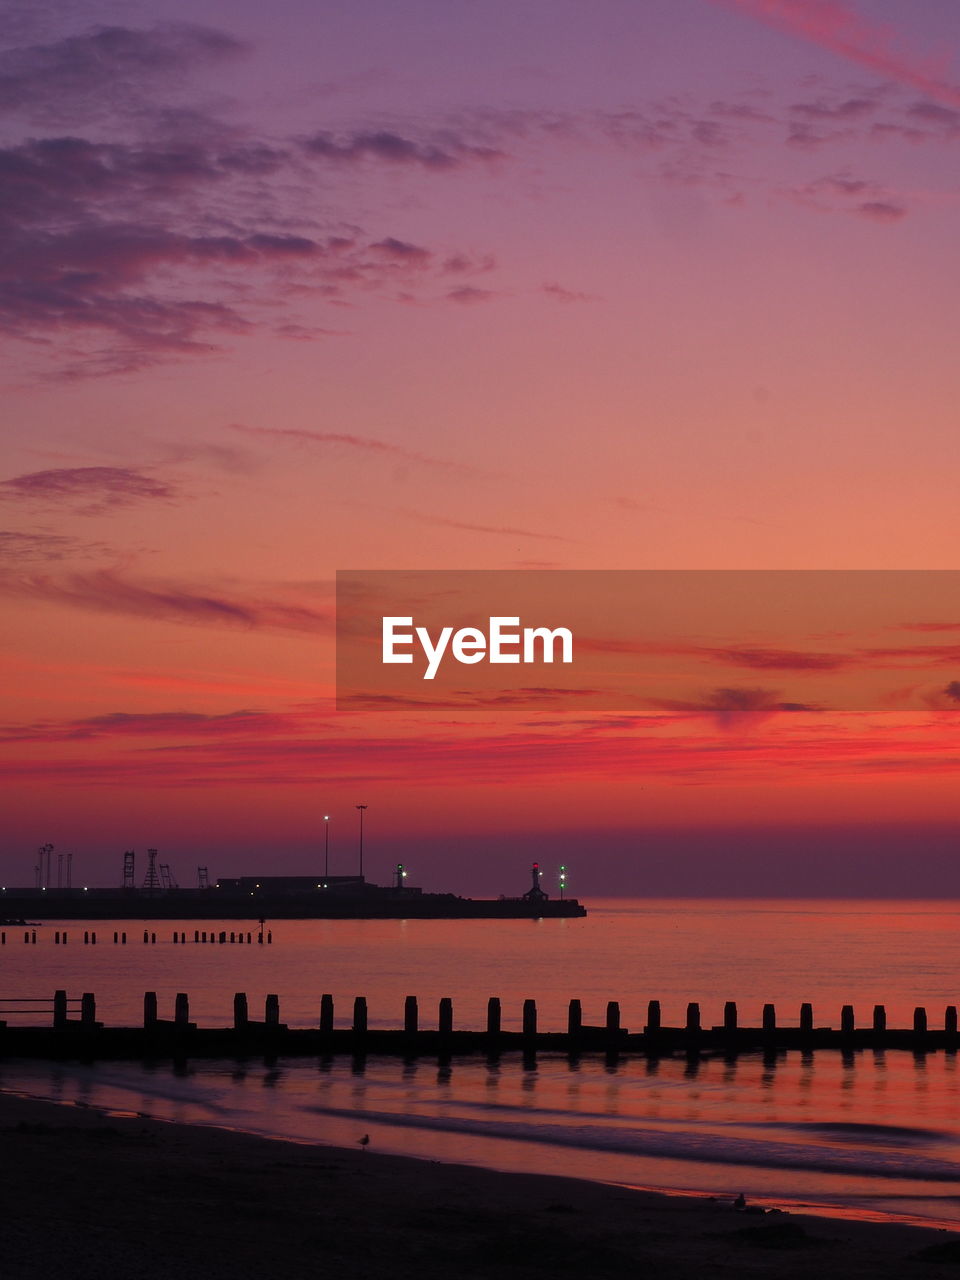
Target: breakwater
<point x="65" y="1027"/>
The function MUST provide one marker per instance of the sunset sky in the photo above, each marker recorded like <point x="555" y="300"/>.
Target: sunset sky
<point x="438" y="284"/>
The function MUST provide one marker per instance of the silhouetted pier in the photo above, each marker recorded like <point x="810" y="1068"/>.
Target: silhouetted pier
<point x="69" y="1028"/>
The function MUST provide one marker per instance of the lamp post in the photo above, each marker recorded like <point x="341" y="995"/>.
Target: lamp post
<point x="361" y="808"/>
<point x="326" y="846"/>
<point x="563" y="881"/>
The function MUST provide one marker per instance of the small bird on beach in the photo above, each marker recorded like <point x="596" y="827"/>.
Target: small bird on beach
<point x="364" y="1141"/>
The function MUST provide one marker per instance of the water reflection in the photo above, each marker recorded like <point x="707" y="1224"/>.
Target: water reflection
<point x="819" y="1125"/>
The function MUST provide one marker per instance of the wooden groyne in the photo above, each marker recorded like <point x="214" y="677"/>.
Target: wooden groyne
<point x="61" y="937"/>
<point x="69" y="1028"/>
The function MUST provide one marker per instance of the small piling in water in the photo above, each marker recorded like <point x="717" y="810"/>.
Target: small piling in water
<point x="574" y="1019"/>
<point x="529" y="1018"/>
<point x="326" y="1014"/>
<point x="493" y="1016"/>
<point x="240" y="1013"/>
<point x="445" y="1016"/>
<point x="360" y="1016"/>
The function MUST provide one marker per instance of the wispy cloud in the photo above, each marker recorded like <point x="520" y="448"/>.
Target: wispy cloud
<point x="837" y="27"/>
<point x="511" y="531"/>
<point x="106" y="591"/>
<point x="340" y="441"/>
<point x="162" y="724"/>
<point x="615" y="750"/>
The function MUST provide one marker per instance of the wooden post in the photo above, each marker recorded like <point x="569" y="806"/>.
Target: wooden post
<point x="950" y="1020"/>
<point x="574" y="1018"/>
<point x="59" y="1010"/>
<point x="146" y="935"/>
<point x="116" y="937"/>
<point x="613" y="1017"/>
<point x="653" y="1018"/>
<point x="529" y="1017"/>
<point x="445" y="1016"/>
<point x="360" y="1016"/>
<point x="920" y="1022"/>
<point x="693" y="1017"/>
<point x="879" y="1019"/>
<point x="241" y="1014"/>
<point x="769" y="1019"/>
<point x="326" y="1013"/>
<point x="123" y="939"/>
<point x="730" y="1016"/>
<point x="86" y="937"/>
<point x="181" y="1009"/>
<point x="271" y="1012"/>
<point x="493" y="1016"/>
<point x="88" y="1011"/>
<point x="847" y="1022"/>
<point x="149" y="1010"/>
<point x="806" y="1018"/>
<point x="411" y="1015"/>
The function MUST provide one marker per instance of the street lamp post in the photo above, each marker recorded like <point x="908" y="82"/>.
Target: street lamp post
<point x="326" y="846"/>
<point x="361" y="808"/>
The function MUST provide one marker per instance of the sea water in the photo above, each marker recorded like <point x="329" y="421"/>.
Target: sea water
<point x="871" y="1133"/>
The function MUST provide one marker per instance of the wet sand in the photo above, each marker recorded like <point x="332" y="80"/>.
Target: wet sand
<point x="88" y="1195"/>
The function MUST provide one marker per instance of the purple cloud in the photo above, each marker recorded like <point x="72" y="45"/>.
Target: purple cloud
<point x="104" y="67"/>
<point x="468" y="294"/>
<point x="881" y="210"/>
<point x="19" y="548"/>
<point x="106" y="592"/>
<point x="448" y="153"/>
<point x="96" y="488"/>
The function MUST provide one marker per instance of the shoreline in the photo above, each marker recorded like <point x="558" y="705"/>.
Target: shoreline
<point x="87" y="1192"/>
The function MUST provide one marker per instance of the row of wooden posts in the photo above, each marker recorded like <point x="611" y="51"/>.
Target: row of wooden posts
<point x="61" y="937"/>
<point x="575" y="1025"/>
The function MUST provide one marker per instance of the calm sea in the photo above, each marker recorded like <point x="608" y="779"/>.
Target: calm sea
<point x="872" y="1133"/>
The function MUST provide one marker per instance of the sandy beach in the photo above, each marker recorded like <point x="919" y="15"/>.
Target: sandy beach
<point x="86" y="1194"/>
